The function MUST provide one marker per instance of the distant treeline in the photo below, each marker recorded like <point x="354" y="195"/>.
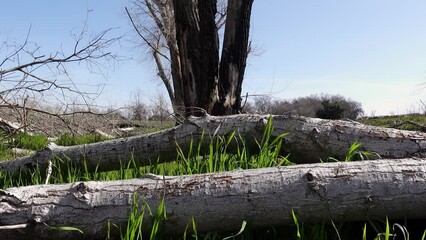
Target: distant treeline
<point x="322" y="106"/>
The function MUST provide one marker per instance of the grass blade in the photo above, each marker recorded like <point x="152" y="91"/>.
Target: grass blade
<point x="243" y="227"/>
<point x="297" y="224"/>
<point x="65" y="228"/>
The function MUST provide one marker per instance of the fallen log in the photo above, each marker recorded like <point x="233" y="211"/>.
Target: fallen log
<point x="341" y="191"/>
<point x="308" y="140"/>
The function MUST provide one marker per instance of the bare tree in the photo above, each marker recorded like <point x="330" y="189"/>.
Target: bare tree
<point x="154" y="23"/>
<point x="160" y="108"/>
<point x="138" y="110"/>
<point x="27" y="75"/>
<point x="263" y="104"/>
<point x="218" y="84"/>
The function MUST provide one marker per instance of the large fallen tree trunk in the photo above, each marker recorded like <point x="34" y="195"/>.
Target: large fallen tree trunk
<point x="351" y="191"/>
<point x="308" y="140"/>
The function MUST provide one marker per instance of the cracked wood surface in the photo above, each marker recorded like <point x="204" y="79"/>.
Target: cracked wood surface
<point x="308" y="140"/>
<point x="351" y="191"/>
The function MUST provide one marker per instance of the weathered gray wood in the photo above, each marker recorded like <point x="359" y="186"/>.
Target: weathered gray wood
<point x="308" y="140"/>
<point x="351" y="191"/>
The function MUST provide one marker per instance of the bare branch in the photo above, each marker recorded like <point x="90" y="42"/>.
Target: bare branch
<point x="152" y="47"/>
<point x="25" y="70"/>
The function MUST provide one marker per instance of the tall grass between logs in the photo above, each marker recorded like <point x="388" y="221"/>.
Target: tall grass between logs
<point x="217" y="159"/>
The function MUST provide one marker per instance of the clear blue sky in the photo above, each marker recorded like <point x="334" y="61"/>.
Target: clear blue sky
<point x="372" y="51"/>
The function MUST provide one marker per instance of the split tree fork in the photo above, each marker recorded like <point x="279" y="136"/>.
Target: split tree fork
<point x="184" y="35"/>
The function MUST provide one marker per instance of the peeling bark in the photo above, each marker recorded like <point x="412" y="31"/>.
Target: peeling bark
<point x="234" y="57"/>
<point x="198" y="44"/>
<point x="204" y="87"/>
<point x="353" y="191"/>
<point x="190" y="31"/>
<point x="308" y="140"/>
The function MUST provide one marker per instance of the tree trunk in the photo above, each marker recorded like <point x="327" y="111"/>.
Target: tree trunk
<point x="190" y="29"/>
<point x="308" y="140"/>
<point x="198" y="45"/>
<point x="234" y="57"/>
<point x="204" y="88"/>
<point x="344" y="191"/>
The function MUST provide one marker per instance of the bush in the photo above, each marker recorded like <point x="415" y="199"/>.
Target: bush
<point x="323" y="106"/>
<point x="330" y="110"/>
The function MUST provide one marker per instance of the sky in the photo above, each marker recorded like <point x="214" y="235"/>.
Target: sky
<point x="371" y="51"/>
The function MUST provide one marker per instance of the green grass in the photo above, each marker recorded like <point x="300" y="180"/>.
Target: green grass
<point x="67" y="139"/>
<point x="377" y="230"/>
<point x="395" y="121"/>
<point x="217" y="159"/>
<point x="6" y="153"/>
<point x="20" y="140"/>
<point x="355" y="154"/>
<point x="146" y="127"/>
<point x="27" y="141"/>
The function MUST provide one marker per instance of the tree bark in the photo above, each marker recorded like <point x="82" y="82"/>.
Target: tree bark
<point x="234" y="57"/>
<point x="308" y="140"/>
<point x="190" y="29"/>
<point x="198" y="46"/>
<point x="343" y="191"/>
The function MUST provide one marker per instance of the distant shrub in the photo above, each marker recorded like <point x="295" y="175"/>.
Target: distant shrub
<point x="323" y="106"/>
<point x="330" y="110"/>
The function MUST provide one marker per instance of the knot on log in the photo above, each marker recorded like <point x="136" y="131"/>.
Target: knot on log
<point x="81" y="187"/>
<point x="309" y="176"/>
<point x="40" y="157"/>
<point x="81" y="192"/>
<point x="314" y="185"/>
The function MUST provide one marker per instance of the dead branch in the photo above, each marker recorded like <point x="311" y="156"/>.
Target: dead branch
<point x="25" y="70"/>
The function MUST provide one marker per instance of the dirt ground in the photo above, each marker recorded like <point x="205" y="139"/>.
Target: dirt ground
<point x="77" y="124"/>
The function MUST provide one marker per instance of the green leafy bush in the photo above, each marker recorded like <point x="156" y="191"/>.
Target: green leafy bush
<point x="330" y="110"/>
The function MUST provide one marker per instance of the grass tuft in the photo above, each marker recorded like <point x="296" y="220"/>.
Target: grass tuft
<point x="67" y="139"/>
